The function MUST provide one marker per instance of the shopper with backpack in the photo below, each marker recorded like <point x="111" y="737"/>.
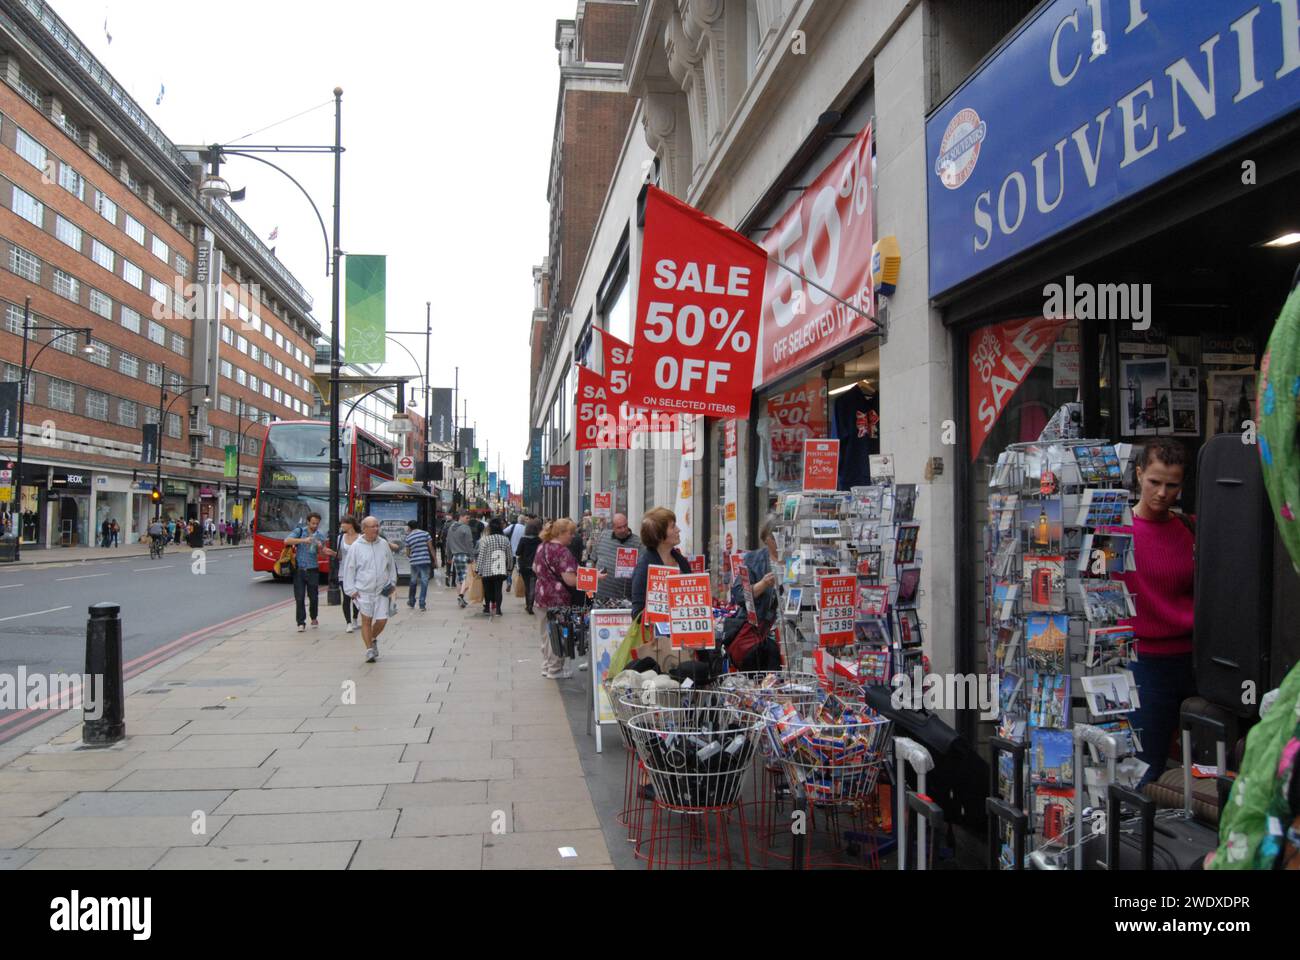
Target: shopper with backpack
<point x="493" y="564"/>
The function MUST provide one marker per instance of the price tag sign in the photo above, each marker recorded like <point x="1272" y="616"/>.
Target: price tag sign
<point x="691" y="611"/>
<point x="603" y="505"/>
<point x="836" y="602"/>
<point x="821" y="464"/>
<point x="625" y="563"/>
<point x="587" y="579"/>
<point x="656" y="594"/>
<point x="701" y="298"/>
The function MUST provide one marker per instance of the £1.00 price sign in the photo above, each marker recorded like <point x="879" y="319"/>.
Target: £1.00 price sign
<point x="701" y="294"/>
<point x="691" y="608"/>
<point x="835" y="601"/>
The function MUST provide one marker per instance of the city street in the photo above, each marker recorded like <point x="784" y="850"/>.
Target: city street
<point x="43" y="610"/>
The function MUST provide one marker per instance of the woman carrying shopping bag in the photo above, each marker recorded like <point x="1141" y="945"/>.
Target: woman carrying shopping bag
<point x="555" y="571"/>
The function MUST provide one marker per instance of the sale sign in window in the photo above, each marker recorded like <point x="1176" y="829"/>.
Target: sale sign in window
<point x="699" y="305"/>
<point x="835" y="602"/>
<point x="691" y="610"/>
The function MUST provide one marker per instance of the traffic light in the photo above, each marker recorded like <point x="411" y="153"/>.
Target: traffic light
<point x="155" y="496"/>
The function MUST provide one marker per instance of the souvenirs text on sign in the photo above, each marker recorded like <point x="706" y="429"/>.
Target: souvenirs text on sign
<point x="836" y="601"/>
<point x="700" y="294"/>
<point x="826" y="235"/>
<point x="691" y="609"/>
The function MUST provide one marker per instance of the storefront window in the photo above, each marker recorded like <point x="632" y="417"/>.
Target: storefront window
<point x="786" y="417"/>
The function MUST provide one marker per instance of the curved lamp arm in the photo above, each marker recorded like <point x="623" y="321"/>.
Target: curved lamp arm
<point x="329" y="250"/>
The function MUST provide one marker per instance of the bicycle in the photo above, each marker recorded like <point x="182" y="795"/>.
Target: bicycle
<point x="156" y="545"/>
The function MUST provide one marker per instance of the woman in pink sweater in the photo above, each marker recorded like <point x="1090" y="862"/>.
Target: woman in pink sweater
<point x="1164" y="551"/>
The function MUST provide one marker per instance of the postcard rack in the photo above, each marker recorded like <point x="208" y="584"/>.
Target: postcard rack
<point x="869" y="532"/>
<point x="1052" y="599"/>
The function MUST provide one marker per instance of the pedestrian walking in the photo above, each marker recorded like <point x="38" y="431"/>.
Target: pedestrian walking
<point x="370" y="578"/>
<point x="494" y="558"/>
<point x="105" y="532"/>
<point x="557" y="573"/>
<point x="419" y="550"/>
<point x="460" y="544"/>
<point x="308" y="541"/>
<point x="113" y="531"/>
<point x="347" y="538"/>
<point x="608" y="543"/>
<point x="194" y="536"/>
<point x="528" y="545"/>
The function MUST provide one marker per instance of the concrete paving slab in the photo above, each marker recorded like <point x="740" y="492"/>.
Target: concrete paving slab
<point x="449" y="750"/>
<point x="465" y="818"/>
<point x="465" y="770"/>
<point x="437" y="794"/>
<point x="344" y="724"/>
<point x="303" y="800"/>
<point x="126" y="858"/>
<point x="308" y="827"/>
<point x="243" y="741"/>
<point x="568" y="789"/>
<point x="199" y="760"/>
<point x="269" y="856"/>
<point x="420" y="853"/>
<point x="141" y="803"/>
<point x="535" y="749"/>
<point x="335" y="776"/>
<point x="19" y="831"/>
<point x="31" y="804"/>
<point x="218" y="778"/>
<point x="541" y="851"/>
<point x="542" y="815"/>
<point x="367" y="738"/>
<point x="14" y="859"/>
<point x="98" y="832"/>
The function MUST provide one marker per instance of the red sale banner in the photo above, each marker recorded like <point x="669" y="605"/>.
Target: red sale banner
<point x="826" y="235"/>
<point x="602" y="504"/>
<point x="1001" y="357"/>
<point x="821" y="464"/>
<point x="656" y="594"/>
<point x="691" y="610"/>
<point x="618" y="371"/>
<point x="588" y="578"/>
<point x="697" y="563"/>
<point x="836" y="602"/>
<point x="699" y="298"/>
<point x="593" y="410"/>
<point x="625" y="562"/>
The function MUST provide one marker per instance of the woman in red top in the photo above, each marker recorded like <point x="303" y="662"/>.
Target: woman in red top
<point x="1163" y="550"/>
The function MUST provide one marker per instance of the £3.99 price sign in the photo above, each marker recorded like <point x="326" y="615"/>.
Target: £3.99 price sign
<point x="701" y="296"/>
<point x="691" y="609"/>
<point x="835" y="601"/>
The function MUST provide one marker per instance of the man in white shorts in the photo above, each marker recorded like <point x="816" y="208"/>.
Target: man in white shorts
<point x="369" y="578"/>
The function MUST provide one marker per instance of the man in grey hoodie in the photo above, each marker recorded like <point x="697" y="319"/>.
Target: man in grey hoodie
<point x="460" y="547"/>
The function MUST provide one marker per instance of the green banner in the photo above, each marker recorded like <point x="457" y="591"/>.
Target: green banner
<point x="232" y="462"/>
<point x="364" y="299"/>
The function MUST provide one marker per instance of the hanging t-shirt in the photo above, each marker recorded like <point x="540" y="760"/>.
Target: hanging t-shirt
<point x="857" y="427"/>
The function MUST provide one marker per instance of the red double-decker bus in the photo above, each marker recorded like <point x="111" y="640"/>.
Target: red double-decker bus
<point x="293" y="480"/>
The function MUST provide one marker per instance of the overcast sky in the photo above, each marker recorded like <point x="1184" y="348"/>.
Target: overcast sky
<point x="448" y="115"/>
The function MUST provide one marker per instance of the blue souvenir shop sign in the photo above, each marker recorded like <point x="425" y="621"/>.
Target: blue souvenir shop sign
<point x="1089" y="103"/>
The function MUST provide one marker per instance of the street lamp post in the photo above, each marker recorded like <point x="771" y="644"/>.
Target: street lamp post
<point x="28" y="328"/>
<point x="162" y="421"/>
<point x="214" y="186"/>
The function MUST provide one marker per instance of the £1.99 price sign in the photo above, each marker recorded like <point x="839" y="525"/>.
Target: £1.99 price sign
<point x="699" y="302"/>
<point x="835" y="601"/>
<point x="691" y="608"/>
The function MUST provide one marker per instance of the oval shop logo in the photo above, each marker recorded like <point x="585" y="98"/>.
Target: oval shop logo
<point x="960" y="149"/>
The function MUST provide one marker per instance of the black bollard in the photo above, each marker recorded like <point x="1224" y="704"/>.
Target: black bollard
<point x="104" y="675"/>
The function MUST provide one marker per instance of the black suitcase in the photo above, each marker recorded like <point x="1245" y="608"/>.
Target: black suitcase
<point x="1234" y="576"/>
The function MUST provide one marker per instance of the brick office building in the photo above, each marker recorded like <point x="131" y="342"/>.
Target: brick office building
<point x="591" y="121"/>
<point x="101" y="226"/>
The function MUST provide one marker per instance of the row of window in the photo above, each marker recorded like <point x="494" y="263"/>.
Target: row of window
<point x="250" y="319"/>
<point x="257" y="355"/>
<point x="27" y="265"/>
<point x="258" y="384"/>
<point x="35" y="153"/>
<point x="61" y="395"/>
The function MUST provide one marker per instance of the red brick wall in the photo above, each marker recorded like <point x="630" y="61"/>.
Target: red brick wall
<point x="606" y="31"/>
<point x="595" y="125"/>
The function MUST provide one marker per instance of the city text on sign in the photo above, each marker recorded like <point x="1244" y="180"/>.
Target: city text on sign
<point x="691" y="609"/>
<point x="836" y="602"/>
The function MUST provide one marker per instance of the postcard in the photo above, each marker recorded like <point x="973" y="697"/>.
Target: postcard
<point x="868" y="501"/>
<point x="1111" y="694"/>
<point x="873" y="668"/>
<point x="873" y="601"/>
<point x="1008" y="646"/>
<point x="881" y="466"/>
<point x="1105" y="601"/>
<point x="1052" y="757"/>
<point x="793" y="568"/>
<point x="1104" y="508"/>
<point x="874" y="632"/>
<point x="1011" y="727"/>
<point x="1144" y="396"/>
<point x="1044" y="578"/>
<point x="1042" y="519"/>
<point x="790" y="511"/>
<point x="825" y="529"/>
<point x="1230" y="401"/>
<point x="905" y="547"/>
<point x="904" y="502"/>
<point x="909" y="580"/>
<point x="1004" y="563"/>
<point x="793" y="600"/>
<point x="870" y="564"/>
<point x="1099" y="464"/>
<point x="1046" y="643"/>
<point x="1053" y="814"/>
<point x="1005" y="593"/>
<point x="1106" y="554"/>
<point x="1111" y="647"/>
<point x="1125" y="736"/>
<point x="1008" y="691"/>
<point x="909" y="627"/>
<point x="1049" y="701"/>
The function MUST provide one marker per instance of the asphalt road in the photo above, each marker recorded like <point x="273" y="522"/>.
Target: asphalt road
<point x="165" y="603"/>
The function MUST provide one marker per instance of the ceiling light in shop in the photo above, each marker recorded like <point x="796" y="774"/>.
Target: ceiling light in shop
<point x="1285" y="240"/>
<point x="844" y="389"/>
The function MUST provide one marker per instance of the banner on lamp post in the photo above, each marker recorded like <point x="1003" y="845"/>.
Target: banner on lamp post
<point x="699" y="303"/>
<point x="442" y="424"/>
<point x="364" y="299"/>
<point x="232" y="461"/>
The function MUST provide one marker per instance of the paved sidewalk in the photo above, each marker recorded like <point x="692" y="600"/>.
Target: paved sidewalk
<point x="37" y="556"/>
<point x="455" y="754"/>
